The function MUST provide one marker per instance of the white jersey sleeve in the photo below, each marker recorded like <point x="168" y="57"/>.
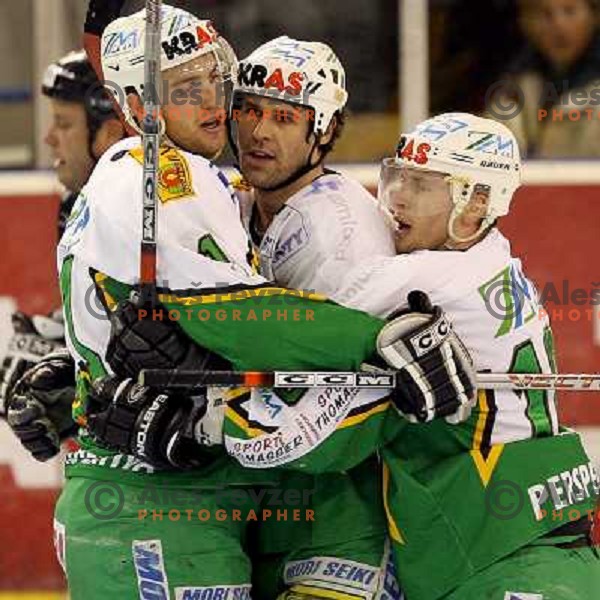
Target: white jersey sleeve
<point x="201" y="243"/>
<point x="321" y="234"/>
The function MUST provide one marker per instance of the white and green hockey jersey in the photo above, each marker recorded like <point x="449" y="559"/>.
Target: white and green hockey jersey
<point x="204" y="279"/>
<point x="443" y="484"/>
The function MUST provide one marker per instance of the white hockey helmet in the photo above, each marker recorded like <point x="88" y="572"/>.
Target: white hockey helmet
<point x="303" y="73"/>
<point x="184" y="37"/>
<point x="471" y="150"/>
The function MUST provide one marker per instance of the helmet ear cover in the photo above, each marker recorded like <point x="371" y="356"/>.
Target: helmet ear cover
<point x="73" y="79"/>
<point x="338" y="122"/>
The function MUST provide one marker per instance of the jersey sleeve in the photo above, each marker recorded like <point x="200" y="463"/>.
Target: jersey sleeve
<point x="317" y="238"/>
<point x="381" y="285"/>
<point x="271" y="328"/>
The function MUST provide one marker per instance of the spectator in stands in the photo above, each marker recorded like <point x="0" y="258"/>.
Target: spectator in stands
<point x="557" y="79"/>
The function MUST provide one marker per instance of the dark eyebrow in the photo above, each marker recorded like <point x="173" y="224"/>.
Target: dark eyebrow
<point x="248" y="103"/>
<point x="193" y="76"/>
<point x="187" y="78"/>
<point x="272" y="105"/>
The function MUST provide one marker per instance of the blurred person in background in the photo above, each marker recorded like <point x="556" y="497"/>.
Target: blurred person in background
<point x="462" y="67"/>
<point x="83" y="126"/>
<point x="551" y="97"/>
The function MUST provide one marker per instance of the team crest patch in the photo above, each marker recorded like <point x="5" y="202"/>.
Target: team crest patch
<point x="240" y="184"/>
<point x="522" y="596"/>
<point x="174" y="178"/>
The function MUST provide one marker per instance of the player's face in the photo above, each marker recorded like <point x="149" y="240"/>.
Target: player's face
<point x="560" y="29"/>
<point x="68" y="139"/>
<point x="420" y="204"/>
<point x="273" y="140"/>
<point x="194" y="109"/>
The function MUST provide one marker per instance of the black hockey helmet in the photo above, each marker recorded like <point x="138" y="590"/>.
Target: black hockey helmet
<point x="72" y="78"/>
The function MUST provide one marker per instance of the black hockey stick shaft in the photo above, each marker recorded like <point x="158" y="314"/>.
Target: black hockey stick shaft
<point x="175" y="378"/>
<point x="151" y="143"/>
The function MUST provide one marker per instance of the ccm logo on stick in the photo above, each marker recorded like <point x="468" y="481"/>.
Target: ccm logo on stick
<point x="366" y="380"/>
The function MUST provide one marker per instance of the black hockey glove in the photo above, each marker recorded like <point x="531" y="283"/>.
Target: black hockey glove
<point x="436" y="378"/>
<point x="158" y="428"/>
<point x="39" y="407"/>
<point x="152" y="343"/>
<point x="33" y="338"/>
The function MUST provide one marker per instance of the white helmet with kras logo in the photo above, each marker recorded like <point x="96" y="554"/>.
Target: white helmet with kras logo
<point x="304" y="73"/>
<point x="184" y="37"/>
<point x="471" y="150"/>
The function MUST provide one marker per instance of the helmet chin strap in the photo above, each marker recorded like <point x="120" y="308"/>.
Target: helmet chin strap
<point x="92" y="132"/>
<point x="453" y="238"/>
<point x="132" y="120"/>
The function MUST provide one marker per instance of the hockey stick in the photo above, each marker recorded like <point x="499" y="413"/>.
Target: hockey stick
<point x="366" y="379"/>
<point x="151" y="145"/>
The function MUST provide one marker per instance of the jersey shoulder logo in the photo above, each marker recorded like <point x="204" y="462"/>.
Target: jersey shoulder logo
<point x="510" y="298"/>
<point x="174" y="176"/>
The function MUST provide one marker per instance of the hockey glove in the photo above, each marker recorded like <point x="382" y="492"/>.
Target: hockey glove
<point x="436" y="378"/>
<point x="39" y="408"/>
<point x="34" y="337"/>
<point x="158" y="428"/>
<point x="152" y="343"/>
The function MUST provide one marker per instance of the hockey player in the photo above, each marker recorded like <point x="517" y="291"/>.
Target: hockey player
<point x="202" y="257"/>
<point x="311" y="227"/>
<point x="83" y="127"/>
<point x="498" y="507"/>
